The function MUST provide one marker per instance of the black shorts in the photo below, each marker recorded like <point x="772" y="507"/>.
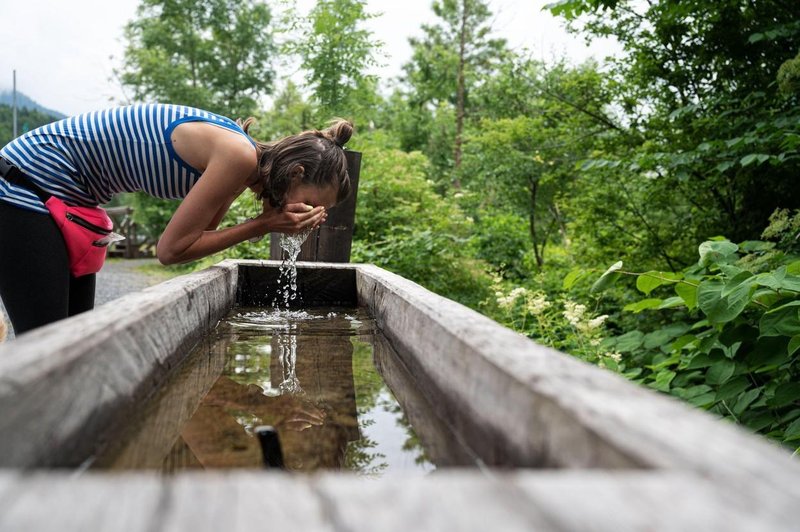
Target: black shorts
<point x="36" y="286"/>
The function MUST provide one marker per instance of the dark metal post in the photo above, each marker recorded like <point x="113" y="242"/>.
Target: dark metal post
<point x="332" y="241"/>
<point x="270" y="446"/>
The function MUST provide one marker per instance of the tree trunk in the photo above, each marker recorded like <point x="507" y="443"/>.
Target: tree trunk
<point x="460" y="92"/>
<point x="538" y="251"/>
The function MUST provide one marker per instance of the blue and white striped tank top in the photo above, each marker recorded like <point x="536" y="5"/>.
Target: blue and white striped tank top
<point x="86" y="159"/>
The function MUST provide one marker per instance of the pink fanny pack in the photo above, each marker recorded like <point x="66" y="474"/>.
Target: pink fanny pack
<point x="87" y="234"/>
<point x="86" y="230"/>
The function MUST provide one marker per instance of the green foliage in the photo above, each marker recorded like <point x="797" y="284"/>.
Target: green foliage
<point x="402" y="224"/>
<point x="712" y="145"/>
<point x="519" y="164"/>
<point x="789" y="77"/>
<point x="290" y="114"/>
<point x="213" y="54"/>
<point x="27" y="119"/>
<point x="433" y="67"/>
<point x="729" y="341"/>
<point x="502" y="240"/>
<point x="152" y="214"/>
<point x="336" y="50"/>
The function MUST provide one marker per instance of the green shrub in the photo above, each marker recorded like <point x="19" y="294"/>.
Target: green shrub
<point x="728" y="334"/>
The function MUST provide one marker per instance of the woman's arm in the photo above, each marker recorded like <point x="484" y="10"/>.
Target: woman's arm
<point x="187" y="237"/>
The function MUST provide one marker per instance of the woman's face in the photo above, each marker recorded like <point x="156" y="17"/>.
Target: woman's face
<point x="312" y="195"/>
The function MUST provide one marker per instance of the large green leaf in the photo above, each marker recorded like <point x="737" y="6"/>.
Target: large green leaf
<point x="769" y="351"/>
<point x="741" y="279"/>
<point x="794" y="345"/>
<point x="629" y="341"/>
<point x="703" y="400"/>
<point x="720" y="372"/>
<point x="785" y="394"/>
<point x="792" y="432"/>
<point x="608" y="278"/>
<point x="781" y="321"/>
<point x="732" y="388"/>
<point x="672" y="302"/>
<point x="745" y="400"/>
<point x="644" y="304"/>
<point x="663" y="378"/>
<point x="657" y="338"/>
<point x="716" y="252"/>
<point x="721" y="309"/>
<point x="687" y="292"/>
<point x="779" y="279"/>
<point x="572" y="277"/>
<point x="649" y="281"/>
<point x="692" y="391"/>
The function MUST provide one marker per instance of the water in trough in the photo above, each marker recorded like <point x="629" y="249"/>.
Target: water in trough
<point x="315" y="375"/>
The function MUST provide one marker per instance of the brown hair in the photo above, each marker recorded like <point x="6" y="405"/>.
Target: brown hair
<point x="319" y="153"/>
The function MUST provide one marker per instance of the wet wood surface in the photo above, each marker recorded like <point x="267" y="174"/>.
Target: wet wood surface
<point x="316" y="287"/>
<point x="151" y="436"/>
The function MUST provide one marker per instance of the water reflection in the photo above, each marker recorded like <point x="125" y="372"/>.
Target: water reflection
<point x="310" y="374"/>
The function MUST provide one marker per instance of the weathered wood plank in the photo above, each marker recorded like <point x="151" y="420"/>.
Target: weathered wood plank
<point x="518" y="403"/>
<point x="57" y="502"/>
<point x="242" y="502"/>
<point x="654" y="500"/>
<point x="581" y="501"/>
<point x="441" y="502"/>
<point x="63" y="387"/>
<point x="443" y="446"/>
<point x="317" y="285"/>
<point x="151" y="434"/>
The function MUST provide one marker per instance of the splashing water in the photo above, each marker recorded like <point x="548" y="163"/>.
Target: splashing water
<point x="287" y="278"/>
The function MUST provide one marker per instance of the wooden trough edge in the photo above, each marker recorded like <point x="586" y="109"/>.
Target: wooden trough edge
<point x="520" y="403"/>
<point x="450" y="500"/>
<point x="65" y="385"/>
<point x="548" y="409"/>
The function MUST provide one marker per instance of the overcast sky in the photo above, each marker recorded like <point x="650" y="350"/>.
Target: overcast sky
<point x="65" y="51"/>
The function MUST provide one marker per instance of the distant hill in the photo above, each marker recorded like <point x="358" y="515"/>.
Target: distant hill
<point x="25" y="102"/>
<point x="27" y="119"/>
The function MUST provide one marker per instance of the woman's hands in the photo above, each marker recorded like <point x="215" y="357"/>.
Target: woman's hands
<point x="292" y="219"/>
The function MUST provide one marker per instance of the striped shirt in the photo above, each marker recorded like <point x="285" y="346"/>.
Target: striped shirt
<point x="86" y="159"/>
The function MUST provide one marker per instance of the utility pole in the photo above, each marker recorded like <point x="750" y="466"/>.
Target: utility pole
<point x="14" y="103"/>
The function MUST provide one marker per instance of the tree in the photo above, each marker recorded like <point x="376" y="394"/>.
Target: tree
<point x="213" y="54"/>
<point x="452" y="58"/>
<point x="290" y="113"/>
<point x="698" y="82"/>
<point x="539" y="122"/>
<point x="337" y="51"/>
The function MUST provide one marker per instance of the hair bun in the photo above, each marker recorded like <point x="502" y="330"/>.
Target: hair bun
<point x="340" y="131"/>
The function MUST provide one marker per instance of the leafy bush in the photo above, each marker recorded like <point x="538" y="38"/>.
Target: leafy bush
<point x="403" y="225"/>
<point x="732" y="336"/>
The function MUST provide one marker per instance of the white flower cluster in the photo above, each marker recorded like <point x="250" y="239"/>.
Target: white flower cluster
<point x="538" y="304"/>
<point x="575" y="314"/>
<point x="508" y="301"/>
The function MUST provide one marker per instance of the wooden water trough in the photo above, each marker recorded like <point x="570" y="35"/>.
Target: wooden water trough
<point x="556" y="444"/>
